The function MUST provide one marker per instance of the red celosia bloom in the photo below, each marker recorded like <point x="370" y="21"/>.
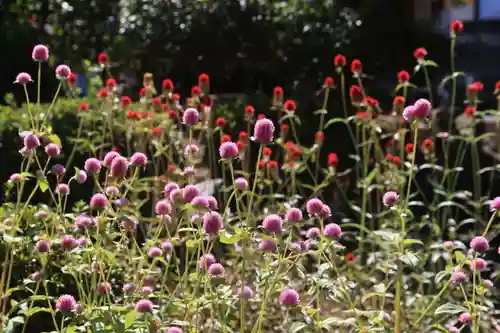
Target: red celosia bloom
<point x="110" y="83"/>
<point x="164" y="107"/>
<point x="172" y="113"/>
<point x="403" y="76"/>
<point x="396" y="160"/>
<point x="143" y="92"/>
<point x="125" y="102"/>
<point x="240" y="145"/>
<point x="156" y="131"/>
<point x="145" y="114"/>
<point x="373" y="102"/>
<point x="102" y="58"/>
<point x="243" y="136"/>
<point x="475" y="87"/>
<point x="103" y="93"/>
<point x="470" y="111"/>
<point x="497" y="87"/>
<point x="339" y="60"/>
<point x="428" y="143"/>
<point x="176" y="97"/>
<point x="156" y="101"/>
<point x="131" y="114"/>
<point x="355" y="93"/>
<point x="203" y="79"/>
<point x="83" y="107"/>
<point x="356" y="66"/>
<point x="249" y="110"/>
<point x="195" y="91"/>
<point x="456" y="26"/>
<point x="388" y="157"/>
<point x="221" y="122"/>
<point x="71" y="79"/>
<point x="171" y="167"/>
<point x="399" y="100"/>
<point x="333" y="159"/>
<point x="262" y="164"/>
<point x="362" y="115"/>
<point x="272" y="164"/>
<point x="319" y="136"/>
<point x="167" y="85"/>
<point x="225" y="138"/>
<point x="261" y="116"/>
<point x="328" y="83"/>
<point x="409" y="148"/>
<point x="278" y="91"/>
<point x="420" y="53"/>
<point x="116" y="149"/>
<point x="284" y="128"/>
<point x="267" y="151"/>
<point x="350" y="257"/>
<point x="290" y="105"/>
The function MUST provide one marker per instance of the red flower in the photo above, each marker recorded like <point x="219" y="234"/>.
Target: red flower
<point x="356" y="66"/>
<point x="267" y="151"/>
<point x="103" y="93"/>
<point x="240" y="145"/>
<point x="475" y="87"/>
<point x="284" y="128"/>
<point x="110" y="83"/>
<point x="403" y="77"/>
<point x="371" y="101"/>
<point x="388" y="157"/>
<point x="272" y="164"/>
<point x="172" y="113"/>
<point x="164" y="107"/>
<point x="156" y="131"/>
<point x="221" y="122"/>
<point x="261" y="116"/>
<point x="328" y="83"/>
<point x="290" y="105"/>
<point x="428" y="144"/>
<point x="278" y="91"/>
<point x="171" y="167"/>
<point x="350" y="257"/>
<point x="131" y="114"/>
<point x="203" y="79"/>
<point x="72" y="79"/>
<point x="102" y="58"/>
<point x="167" y="85"/>
<point x="362" y="115"/>
<point x="262" y="164"/>
<point x="470" y="111"/>
<point x="156" y="101"/>
<point x="83" y="107"/>
<point x="319" y="136"/>
<point x="116" y="149"/>
<point x="249" y="110"/>
<point x="176" y="97"/>
<point x="195" y="91"/>
<point x="243" y="136"/>
<point x="125" y="102"/>
<point x="420" y="53"/>
<point x="145" y="114"/>
<point x="497" y="87"/>
<point x="409" y="148"/>
<point x="396" y="160"/>
<point x="456" y="26"/>
<point x="225" y="138"/>
<point x="333" y="159"/>
<point x="143" y="92"/>
<point x="339" y="60"/>
<point x="355" y="93"/>
<point x="399" y="100"/>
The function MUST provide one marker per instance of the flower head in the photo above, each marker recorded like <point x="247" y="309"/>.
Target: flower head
<point x="154" y="251"/>
<point x="62" y="189"/>
<point x="139" y="159"/>
<point x="62" y="72"/>
<point x="289" y="297"/>
<point x="40" y="53"/>
<point x="99" y="201"/>
<point x="109" y="157"/>
<point x="294" y="215"/>
<point x="216" y="269"/>
<point x="143" y="306"/>
<point x="52" y="150"/>
<point x="228" y="150"/>
<point x="456" y="26"/>
<point x="31" y="141"/>
<point x="92" y="165"/>
<point x="339" y="60"/>
<point x="267" y="245"/>
<point x="264" y="130"/>
<point x="189" y="192"/>
<point x="206" y="261"/>
<point x="273" y="223"/>
<point x="390" y="198"/>
<point x="212" y="222"/>
<point x="479" y="244"/>
<point x="43" y="246"/>
<point x="332" y="230"/>
<point x="119" y="167"/>
<point x="191" y="116"/>
<point x="66" y="303"/>
<point x="23" y="78"/>
<point x="314" y="206"/>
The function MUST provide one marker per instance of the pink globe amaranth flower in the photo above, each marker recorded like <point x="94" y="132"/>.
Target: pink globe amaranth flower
<point x="148" y="280"/>
<point x="313" y="232"/>
<point x="31" y="141"/>
<point x="268" y="245"/>
<point x="43" y="246"/>
<point x="200" y="201"/>
<point x="314" y="207"/>
<point x="246" y="293"/>
<point x="390" y="198"/>
<point x="495" y="204"/>
<point x="99" y="201"/>
<point x="169" y="188"/>
<point x="478" y="264"/>
<point x="52" y="150"/>
<point x="40" y="53"/>
<point x="66" y="303"/>
<point x="139" y="159"/>
<point x="82" y="241"/>
<point x="479" y="244"/>
<point x="458" y="277"/>
<point x="143" y="306"/>
<point x="465" y="318"/>
<point x="103" y="288"/>
<point x="212" y="202"/>
<point x="167" y="246"/>
<point x="23" y="78"/>
<point x="129" y="288"/>
<point x="176" y="196"/>
<point x="147" y="290"/>
<point x="228" y="150"/>
<point x="174" y="330"/>
<point x="58" y="170"/>
<point x="206" y="261"/>
<point x="273" y="223"/>
<point x="216" y="269"/>
<point x="81" y="177"/>
<point x="190" y="117"/>
<point x="62" y="72"/>
<point x="162" y="207"/>
<point x="326" y="212"/>
<point x="62" y="189"/>
<point x="92" y="165"/>
<point x="332" y="230"/>
<point x="191" y="149"/>
<point x="241" y="183"/>
<point x="154" y="251"/>
<point x="294" y="215"/>
<point x="189" y="192"/>
<point x="422" y="108"/>
<point x="84" y="222"/>
<point x="16" y="177"/>
<point x="112" y="191"/>
<point x="263" y="130"/>
<point x="289" y="297"/>
<point x="448" y="245"/>
<point x="68" y="242"/>
<point x="212" y="222"/>
<point x="119" y="167"/>
<point x="41" y="214"/>
<point x="409" y="113"/>
<point x="109" y="157"/>
<point x="299" y="247"/>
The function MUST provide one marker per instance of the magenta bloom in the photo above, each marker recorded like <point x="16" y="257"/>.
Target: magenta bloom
<point x="390" y="198"/>
<point x="169" y="188"/>
<point x="62" y="189"/>
<point x="246" y="294"/>
<point x="273" y="223"/>
<point x="189" y="193"/>
<point x="40" y="53"/>
<point x="143" y="306"/>
<point x="147" y="290"/>
<point x="15" y="177"/>
<point x="23" y="78"/>
<point x="263" y="130"/>
<point x="52" y="150"/>
<point x="92" y="165"/>
<point x="174" y="330"/>
<point x="154" y="251"/>
<point x="108" y="159"/>
<point x="112" y="191"/>
<point x="299" y="247"/>
<point x="162" y="207"/>
<point x="332" y="230"/>
<point x="200" y="201"/>
<point x="119" y="167"/>
<point x="190" y="117"/>
<point x="314" y="207"/>
<point x="176" y="196"/>
<point x="289" y="297"/>
<point x="167" y="246"/>
<point x="228" y="150"/>
<point x="422" y="108"/>
<point x="128" y="288"/>
<point x="268" y="245"/>
<point x="495" y="204"/>
<point x="448" y="245"/>
<point x="206" y="261"/>
<point x="212" y="222"/>
<point x="313" y="232"/>
<point x="326" y="212"/>
<point x="294" y="215"/>
<point x="58" y="169"/>
<point x="66" y="303"/>
<point x="241" y="183"/>
<point x="68" y="242"/>
<point x="458" y="277"/>
<point x="479" y="244"/>
<point x="139" y="159"/>
<point x="478" y="264"/>
<point x="62" y="72"/>
<point x="31" y="141"/>
<point x="212" y="202"/>
<point x="216" y="269"/>
<point x="84" y="221"/>
<point x="43" y="246"/>
<point x="465" y="318"/>
<point x="99" y="201"/>
<point x="103" y="288"/>
<point x="409" y="113"/>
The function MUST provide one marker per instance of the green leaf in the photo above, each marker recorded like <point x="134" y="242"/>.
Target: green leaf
<point x="130" y="318"/>
<point x="430" y="63"/>
<point x="31" y="311"/>
<point x="227" y="238"/>
<point x="413" y="241"/>
<point x="335" y="120"/>
<point x="297" y="326"/>
<point x="451" y="308"/>
<point x="43" y="184"/>
<point x="459" y="256"/>
<point x="55" y="139"/>
<point x="13" y="323"/>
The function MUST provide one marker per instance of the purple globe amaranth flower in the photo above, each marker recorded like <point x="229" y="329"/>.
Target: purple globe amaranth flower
<point x="478" y="264"/>
<point x="174" y="330"/>
<point x="68" y="242"/>
<point x="92" y="165"/>
<point x="121" y="201"/>
<point x="119" y="167"/>
<point x="332" y="230"/>
<point x="154" y="251"/>
<point x="409" y="113"/>
<point x="212" y="202"/>
<point x="200" y="201"/>
<point x="313" y="232"/>
<point x="246" y="293"/>
<point x="167" y="246"/>
<point x="390" y="198"/>
<point x="66" y="303"/>
<point x="52" y="150"/>
<point x="299" y="247"/>
<point x="62" y="72"/>
<point x="289" y="297"/>
<point x="163" y="207"/>
<point x="189" y="170"/>
<point x="228" y="150"/>
<point x="458" y="277"/>
<point x="112" y="191"/>
<point x="263" y="130"/>
<point x="189" y="192"/>
<point x="314" y="207"/>
<point x="43" y="246"/>
<point x="206" y="261"/>
<point x="479" y="244"/>
<point x="169" y="188"/>
<point x="99" y="201"/>
<point x="326" y="212"/>
<point x="148" y="280"/>
<point x="109" y="157"/>
<point x="422" y="108"/>
<point x="40" y="53"/>
<point x="241" y="183"/>
<point x="147" y="290"/>
<point x="16" y="177"/>
<point x="84" y="222"/>
<point x="62" y="189"/>
<point x="82" y="241"/>
<point x="81" y="177"/>
<point x="129" y="288"/>
<point x="23" y="78"/>
<point x="212" y="222"/>
<point x="103" y="288"/>
<point x="190" y="117"/>
<point x="495" y="204"/>
<point x="144" y="306"/>
<point x="294" y="215"/>
<point x="139" y="159"/>
<point x="465" y="318"/>
<point x="268" y="245"/>
<point x="191" y="149"/>
<point x="216" y="269"/>
<point x="31" y="141"/>
<point x="58" y="170"/>
<point x="273" y="223"/>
